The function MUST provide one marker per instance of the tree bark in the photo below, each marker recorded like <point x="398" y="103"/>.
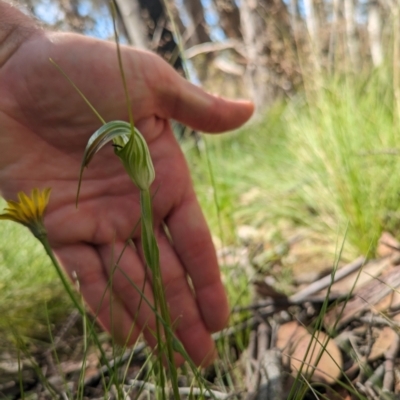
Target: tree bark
<point x="269" y="42"/>
<point x="333" y="39"/>
<point x="257" y="74"/>
<point x="135" y="30"/>
<point x="199" y="28"/>
<point x="312" y="24"/>
<point x="351" y="33"/>
<point x="229" y="18"/>
<point x="147" y="25"/>
<point x="375" y="33"/>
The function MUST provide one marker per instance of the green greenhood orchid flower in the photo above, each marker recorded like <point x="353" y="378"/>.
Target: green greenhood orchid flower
<point x="130" y="147"/>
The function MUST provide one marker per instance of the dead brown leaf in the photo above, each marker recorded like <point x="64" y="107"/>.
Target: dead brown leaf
<point x="318" y="357"/>
<point x="382" y="343"/>
<point x="287" y="337"/>
<point x="386" y="245"/>
<point x="288" y="334"/>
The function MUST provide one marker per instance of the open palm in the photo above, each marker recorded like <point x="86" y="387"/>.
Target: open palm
<point x="44" y="128"/>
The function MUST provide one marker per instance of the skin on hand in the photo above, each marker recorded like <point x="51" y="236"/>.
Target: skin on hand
<point x="44" y="128"/>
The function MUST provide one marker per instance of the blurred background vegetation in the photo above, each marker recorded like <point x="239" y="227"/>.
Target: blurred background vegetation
<point x="321" y="157"/>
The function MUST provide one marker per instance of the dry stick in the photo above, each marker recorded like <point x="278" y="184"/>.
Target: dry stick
<point x="327" y="280"/>
<point x="366" y="297"/>
<point x="252" y="378"/>
<point x="262" y="345"/>
<point x="297" y="298"/>
<point x="105" y="369"/>
<point x="71" y="320"/>
<point x="272" y="364"/>
<point x="379" y="321"/>
<point x="390" y="355"/>
<point x="368" y="390"/>
<point x="264" y="310"/>
<point x="376" y="376"/>
<point x="269" y="365"/>
<point x="360" y="361"/>
<point x="368" y="349"/>
<point x="286" y="302"/>
<point x="185" y="391"/>
<point x="251" y="322"/>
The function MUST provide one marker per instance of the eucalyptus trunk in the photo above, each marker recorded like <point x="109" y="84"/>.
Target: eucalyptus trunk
<point x="351" y="33"/>
<point x="135" y="31"/>
<point x="199" y="28"/>
<point x="253" y="30"/>
<point x="375" y="33"/>
<point x="229" y="18"/>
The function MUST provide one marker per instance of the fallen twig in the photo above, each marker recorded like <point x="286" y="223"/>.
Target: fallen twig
<point x="70" y="322"/>
<point x="366" y="297"/>
<point x="118" y="361"/>
<point x="192" y="391"/>
<point x="278" y="303"/>
<point x="390" y="355"/>
<point x="377" y="320"/>
<point x="252" y="375"/>
<point x="324" y="282"/>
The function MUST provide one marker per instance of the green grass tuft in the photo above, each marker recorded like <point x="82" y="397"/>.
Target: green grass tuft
<point x="28" y="282"/>
<point x="323" y="160"/>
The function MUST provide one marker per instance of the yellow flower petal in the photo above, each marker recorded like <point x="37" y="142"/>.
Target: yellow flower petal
<point x="29" y="210"/>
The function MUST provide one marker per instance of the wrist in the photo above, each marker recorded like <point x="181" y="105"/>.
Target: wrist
<point x="15" y="29"/>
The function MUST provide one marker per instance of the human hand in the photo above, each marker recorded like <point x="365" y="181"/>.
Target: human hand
<point x="44" y="128"/>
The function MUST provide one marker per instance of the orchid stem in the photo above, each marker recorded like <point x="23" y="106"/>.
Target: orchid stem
<point x="152" y="257"/>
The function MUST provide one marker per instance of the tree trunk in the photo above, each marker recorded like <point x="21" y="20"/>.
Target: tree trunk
<point x="351" y="33"/>
<point x="375" y="33"/>
<point x="333" y="39"/>
<point x="199" y="28"/>
<point x="229" y="18"/>
<point x="134" y="29"/>
<point x="272" y="63"/>
<point x="312" y="25"/>
<point x="147" y="25"/>
<point x="175" y="18"/>
<point x="253" y="30"/>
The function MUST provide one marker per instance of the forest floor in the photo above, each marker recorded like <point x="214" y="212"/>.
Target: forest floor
<point x="335" y="337"/>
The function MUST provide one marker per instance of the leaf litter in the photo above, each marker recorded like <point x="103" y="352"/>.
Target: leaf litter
<point x="294" y="347"/>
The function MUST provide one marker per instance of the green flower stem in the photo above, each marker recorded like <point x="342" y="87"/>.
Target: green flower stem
<point x="149" y="243"/>
<point x="176" y="344"/>
<point x="152" y="257"/>
<point x="43" y="239"/>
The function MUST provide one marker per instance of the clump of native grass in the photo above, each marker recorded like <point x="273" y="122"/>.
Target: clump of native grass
<point x="27" y="284"/>
<point x="325" y="160"/>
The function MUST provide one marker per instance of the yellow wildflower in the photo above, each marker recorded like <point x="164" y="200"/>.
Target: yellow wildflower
<point x="29" y="210"/>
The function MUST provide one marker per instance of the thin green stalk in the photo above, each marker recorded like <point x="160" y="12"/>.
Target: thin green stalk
<point x="21" y="383"/>
<point x="78" y="90"/>
<point x="176" y="344"/>
<point x="81" y="380"/>
<point x="152" y="257"/>
<point x="55" y="355"/>
<point x="215" y="193"/>
<point x="43" y="239"/>
<point x="121" y="67"/>
<point x="42" y="378"/>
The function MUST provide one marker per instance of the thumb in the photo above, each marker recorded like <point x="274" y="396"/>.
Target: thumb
<point x="191" y="105"/>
